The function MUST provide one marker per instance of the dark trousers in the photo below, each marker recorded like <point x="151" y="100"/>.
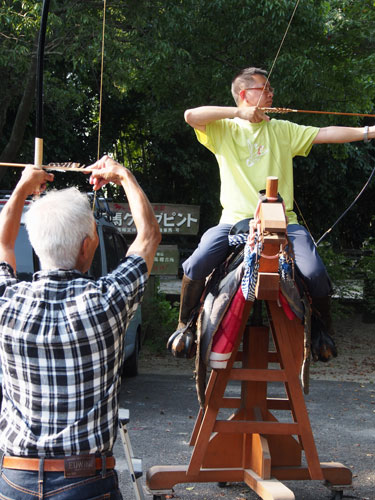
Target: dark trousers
<point x="213" y="248"/>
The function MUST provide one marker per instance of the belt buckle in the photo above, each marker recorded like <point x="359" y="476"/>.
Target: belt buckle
<point x="79" y="466"/>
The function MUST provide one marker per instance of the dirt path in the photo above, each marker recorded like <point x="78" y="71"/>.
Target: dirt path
<point x="355" y="362"/>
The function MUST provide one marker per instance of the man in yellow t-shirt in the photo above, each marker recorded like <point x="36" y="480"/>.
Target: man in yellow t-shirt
<point x="249" y="147"/>
<point x="249" y="152"/>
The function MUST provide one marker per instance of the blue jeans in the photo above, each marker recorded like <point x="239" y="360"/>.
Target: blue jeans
<point x="25" y="485"/>
<point x="214" y="247"/>
<point x="309" y="262"/>
<point x="212" y="250"/>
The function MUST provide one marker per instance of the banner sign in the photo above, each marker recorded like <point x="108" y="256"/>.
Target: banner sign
<point x="172" y="219"/>
<point x="166" y="260"/>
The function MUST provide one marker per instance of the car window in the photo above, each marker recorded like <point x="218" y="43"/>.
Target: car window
<point x="26" y="260"/>
<point x="96" y="265"/>
<point x="112" y="257"/>
<point x="121" y="245"/>
<point x="116" y="247"/>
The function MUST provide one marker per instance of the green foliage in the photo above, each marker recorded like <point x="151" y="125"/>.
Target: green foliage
<point x="195" y="45"/>
<point x="342" y="272"/>
<point x="350" y="273"/>
<point x="339" y="266"/>
<point x="164" y="57"/>
<point x="159" y="321"/>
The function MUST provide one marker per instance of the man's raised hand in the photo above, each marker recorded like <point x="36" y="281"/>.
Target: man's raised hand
<point x="105" y="170"/>
<point x="34" y="180"/>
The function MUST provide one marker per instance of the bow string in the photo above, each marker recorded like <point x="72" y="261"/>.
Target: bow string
<point x="281" y="110"/>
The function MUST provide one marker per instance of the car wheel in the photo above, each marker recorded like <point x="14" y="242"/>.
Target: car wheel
<point x="131" y="364"/>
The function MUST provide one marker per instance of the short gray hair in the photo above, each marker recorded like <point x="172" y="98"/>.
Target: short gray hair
<point x="57" y="224"/>
<point x="244" y="80"/>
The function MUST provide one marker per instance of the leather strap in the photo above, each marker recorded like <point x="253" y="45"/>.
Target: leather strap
<point x="53" y="464"/>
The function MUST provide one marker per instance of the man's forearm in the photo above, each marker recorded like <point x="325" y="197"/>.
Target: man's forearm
<point x="198" y="118"/>
<point x="10" y="219"/>
<point x="33" y="181"/>
<point x="202" y="116"/>
<point x="148" y="231"/>
<point x="143" y="214"/>
<point x="331" y="135"/>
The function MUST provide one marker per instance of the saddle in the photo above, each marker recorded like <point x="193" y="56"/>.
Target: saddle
<point x="220" y="296"/>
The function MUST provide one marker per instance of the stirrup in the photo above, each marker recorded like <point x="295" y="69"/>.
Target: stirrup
<point x="182" y="343"/>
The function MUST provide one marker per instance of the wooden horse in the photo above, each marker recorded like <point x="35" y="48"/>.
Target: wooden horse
<point x="252" y="445"/>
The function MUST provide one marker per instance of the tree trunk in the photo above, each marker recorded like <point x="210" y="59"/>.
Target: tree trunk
<point x="13" y="146"/>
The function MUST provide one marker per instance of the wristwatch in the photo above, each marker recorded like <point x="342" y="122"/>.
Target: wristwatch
<point x="365" y="135"/>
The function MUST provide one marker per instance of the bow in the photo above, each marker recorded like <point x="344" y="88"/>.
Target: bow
<point x="347" y="209"/>
<point x="38" y="145"/>
<point x="38" y="153"/>
<point x="281" y="110"/>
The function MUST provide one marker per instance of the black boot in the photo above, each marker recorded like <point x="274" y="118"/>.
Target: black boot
<point x="323" y="346"/>
<point x="182" y="342"/>
<point x="322" y="305"/>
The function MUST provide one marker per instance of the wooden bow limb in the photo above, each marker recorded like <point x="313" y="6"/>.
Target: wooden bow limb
<point x="62" y="167"/>
<point x="38" y="153"/>
<point x="289" y="110"/>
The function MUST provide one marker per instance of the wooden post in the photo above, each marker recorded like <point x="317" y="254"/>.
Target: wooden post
<point x="271" y="188"/>
<point x="273" y="227"/>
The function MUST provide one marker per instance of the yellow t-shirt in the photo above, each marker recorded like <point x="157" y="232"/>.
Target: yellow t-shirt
<point x="247" y="153"/>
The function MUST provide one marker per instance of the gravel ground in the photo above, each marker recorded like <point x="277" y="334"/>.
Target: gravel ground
<point x="341" y="406"/>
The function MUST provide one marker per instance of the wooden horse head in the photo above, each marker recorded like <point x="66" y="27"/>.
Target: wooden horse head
<point x="272" y="228"/>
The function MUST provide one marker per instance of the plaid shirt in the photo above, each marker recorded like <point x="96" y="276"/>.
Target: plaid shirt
<point x="61" y="346"/>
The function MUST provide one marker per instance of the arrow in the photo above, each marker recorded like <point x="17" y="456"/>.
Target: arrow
<point x="289" y="110"/>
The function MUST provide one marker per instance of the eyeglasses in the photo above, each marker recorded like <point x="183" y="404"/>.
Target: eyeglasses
<point x="269" y="90"/>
